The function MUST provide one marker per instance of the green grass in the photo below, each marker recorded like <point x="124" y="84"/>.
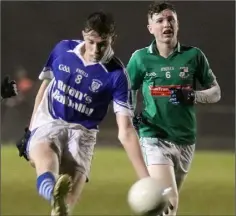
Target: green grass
<point x="208" y="190"/>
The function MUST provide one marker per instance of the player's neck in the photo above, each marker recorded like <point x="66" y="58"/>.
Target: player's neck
<point x="84" y="55"/>
<point x="166" y="49"/>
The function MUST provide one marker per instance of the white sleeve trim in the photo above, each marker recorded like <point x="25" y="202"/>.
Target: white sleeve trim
<point x="46" y="74"/>
<point x="122" y="109"/>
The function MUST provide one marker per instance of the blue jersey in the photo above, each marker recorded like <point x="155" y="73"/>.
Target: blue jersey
<point x="81" y="93"/>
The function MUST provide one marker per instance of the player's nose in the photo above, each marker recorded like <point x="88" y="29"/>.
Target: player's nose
<point x="166" y="23"/>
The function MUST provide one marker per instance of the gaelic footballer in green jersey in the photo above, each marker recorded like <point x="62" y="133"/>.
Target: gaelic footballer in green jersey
<point x="166" y="72"/>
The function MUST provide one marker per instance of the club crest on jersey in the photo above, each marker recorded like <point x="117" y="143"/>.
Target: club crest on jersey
<point x="96" y="84"/>
<point x="184" y="72"/>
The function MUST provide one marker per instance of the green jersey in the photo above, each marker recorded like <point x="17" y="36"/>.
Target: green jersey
<point x="156" y="75"/>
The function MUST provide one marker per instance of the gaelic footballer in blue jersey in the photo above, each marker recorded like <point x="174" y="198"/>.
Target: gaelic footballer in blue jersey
<point x="80" y="79"/>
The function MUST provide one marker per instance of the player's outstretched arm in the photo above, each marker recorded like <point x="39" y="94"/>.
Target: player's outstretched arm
<point x="211" y="95"/>
<point x="22" y="143"/>
<point x="39" y="97"/>
<point x="129" y="139"/>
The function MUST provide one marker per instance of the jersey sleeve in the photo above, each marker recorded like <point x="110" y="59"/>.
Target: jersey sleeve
<point x="47" y="72"/>
<point x="122" y="99"/>
<point x="134" y="72"/>
<point x="204" y="74"/>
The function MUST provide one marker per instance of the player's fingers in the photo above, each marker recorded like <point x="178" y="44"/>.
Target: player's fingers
<point x="15" y="89"/>
<point x="173" y="100"/>
<point x="13" y="82"/>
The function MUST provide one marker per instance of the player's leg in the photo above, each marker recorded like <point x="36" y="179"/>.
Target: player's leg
<point x="158" y="158"/>
<point x="73" y="197"/>
<point x="76" y="162"/>
<point x="69" y="166"/>
<point x="44" y="150"/>
<point x="185" y="157"/>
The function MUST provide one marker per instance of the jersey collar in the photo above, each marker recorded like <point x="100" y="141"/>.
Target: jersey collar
<point x="152" y="49"/>
<point x="106" y="58"/>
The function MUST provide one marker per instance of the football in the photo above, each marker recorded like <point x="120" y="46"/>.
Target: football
<point x="147" y="197"/>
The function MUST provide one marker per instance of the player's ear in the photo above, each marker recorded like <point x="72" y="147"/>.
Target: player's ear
<point x="177" y="26"/>
<point x="83" y="34"/>
<point x="113" y="38"/>
<point x="149" y="27"/>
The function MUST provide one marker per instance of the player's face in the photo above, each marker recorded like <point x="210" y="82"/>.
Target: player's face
<point x="95" y="46"/>
<point x="164" y="26"/>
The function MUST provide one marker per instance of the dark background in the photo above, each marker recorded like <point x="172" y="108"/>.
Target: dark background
<point x="29" y="30"/>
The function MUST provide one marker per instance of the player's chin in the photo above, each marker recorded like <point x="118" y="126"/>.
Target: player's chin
<point x="167" y="39"/>
<point x="96" y="59"/>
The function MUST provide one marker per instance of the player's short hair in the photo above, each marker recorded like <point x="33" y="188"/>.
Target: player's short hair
<point x="100" y="22"/>
<point x="159" y="6"/>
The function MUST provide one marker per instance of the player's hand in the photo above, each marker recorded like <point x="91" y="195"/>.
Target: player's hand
<point x="182" y="96"/>
<point x="22" y="143"/>
<point x="8" y="88"/>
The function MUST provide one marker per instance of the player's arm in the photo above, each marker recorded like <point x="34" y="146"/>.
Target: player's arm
<point x="204" y="74"/>
<point x="126" y="132"/>
<point x="39" y="97"/>
<point x="212" y="91"/>
<point x="129" y="139"/>
<point x="47" y="74"/>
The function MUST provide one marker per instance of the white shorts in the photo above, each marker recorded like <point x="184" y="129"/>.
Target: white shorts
<point x="73" y="144"/>
<point x="158" y="151"/>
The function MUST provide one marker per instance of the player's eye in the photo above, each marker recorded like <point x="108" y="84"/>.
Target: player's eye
<point x="171" y="19"/>
<point x="159" y="21"/>
<point x="102" y="44"/>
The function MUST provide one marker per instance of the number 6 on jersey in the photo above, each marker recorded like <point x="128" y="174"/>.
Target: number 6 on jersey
<point x="168" y="75"/>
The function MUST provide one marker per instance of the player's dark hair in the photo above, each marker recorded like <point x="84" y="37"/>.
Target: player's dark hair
<point x="159" y="6"/>
<point x="100" y="22"/>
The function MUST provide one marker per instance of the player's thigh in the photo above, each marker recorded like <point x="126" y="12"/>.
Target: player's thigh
<point x="76" y="161"/>
<point x="156" y="151"/>
<point x="45" y="146"/>
<point x="158" y="156"/>
<point x="80" y="149"/>
<point x="184" y="158"/>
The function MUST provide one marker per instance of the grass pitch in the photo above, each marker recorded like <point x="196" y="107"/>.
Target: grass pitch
<point x="208" y="190"/>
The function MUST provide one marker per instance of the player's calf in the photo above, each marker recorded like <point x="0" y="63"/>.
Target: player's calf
<point x="165" y="175"/>
<point x="77" y="188"/>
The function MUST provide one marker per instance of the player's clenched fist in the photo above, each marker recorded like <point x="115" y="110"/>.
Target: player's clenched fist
<point x="182" y="96"/>
<point x="8" y="88"/>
